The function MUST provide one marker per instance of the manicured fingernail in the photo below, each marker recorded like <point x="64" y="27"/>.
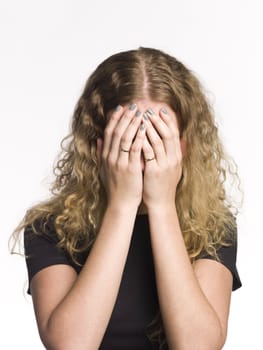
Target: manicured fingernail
<point x="138" y="113"/>
<point x="132" y="106"/>
<point x="149" y="110"/>
<point x="164" y="110"/>
<point x="118" y="108"/>
<point x="142" y="127"/>
<point x="145" y="116"/>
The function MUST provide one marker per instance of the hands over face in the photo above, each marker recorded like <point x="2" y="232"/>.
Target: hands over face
<point x="161" y="174"/>
<point x="128" y="138"/>
<point x="119" y="155"/>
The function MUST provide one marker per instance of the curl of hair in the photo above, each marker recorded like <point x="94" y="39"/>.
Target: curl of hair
<point x="78" y="201"/>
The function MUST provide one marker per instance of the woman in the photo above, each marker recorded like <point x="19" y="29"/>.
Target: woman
<point x="136" y="248"/>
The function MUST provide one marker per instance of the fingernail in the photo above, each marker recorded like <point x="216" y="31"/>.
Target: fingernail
<point x="142" y="126"/>
<point x="138" y="113"/>
<point x="145" y="116"/>
<point x="149" y="110"/>
<point x="164" y="110"/>
<point x="118" y="108"/>
<point x="132" y="106"/>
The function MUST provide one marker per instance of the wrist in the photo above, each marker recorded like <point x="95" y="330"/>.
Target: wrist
<point x="117" y="208"/>
<point x="162" y="217"/>
<point x="161" y="207"/>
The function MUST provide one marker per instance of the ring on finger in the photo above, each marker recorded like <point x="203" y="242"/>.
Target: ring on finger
<point x="125" y="150"/>
<point x="149" y="159"/>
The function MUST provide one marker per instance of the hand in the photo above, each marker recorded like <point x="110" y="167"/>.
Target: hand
<point x="120" y="171"/>
<point x="162" y="174"/>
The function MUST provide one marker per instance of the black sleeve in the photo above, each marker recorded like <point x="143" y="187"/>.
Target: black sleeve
<point x="227" y="256"/>
<point x="41" y="250"/>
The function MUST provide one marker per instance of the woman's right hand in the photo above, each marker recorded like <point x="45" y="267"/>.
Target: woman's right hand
<point x="121" y="172"/>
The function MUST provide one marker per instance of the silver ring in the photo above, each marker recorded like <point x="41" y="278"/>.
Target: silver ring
<point x="149" y="159"/>
<point x="125" y="150"/>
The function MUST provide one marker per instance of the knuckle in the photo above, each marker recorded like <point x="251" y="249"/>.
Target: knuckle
<point x="169" y="136"/>
<point x="139" y="138"/>
<point x="125" y="138"/>
<point x="157" y="172"/>
<point x="156" y="142"/>
<point x="120" y="165"/>
<point x="117" y="133"/>
<point x="146" y="146"/>
<point x="110" y="160"/>
<point x="136" y="120"/>
<point x="115" y="115"/>
<point x="127" y="115"/>
<point x="135" y="148"/>
<point x="104" y="157"/>
<point x="107" y="132"/>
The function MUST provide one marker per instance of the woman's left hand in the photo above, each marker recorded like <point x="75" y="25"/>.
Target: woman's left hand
<point x="162" y="174"/>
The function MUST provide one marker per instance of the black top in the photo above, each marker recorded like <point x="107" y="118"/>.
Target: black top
<point x="137" y="300"/>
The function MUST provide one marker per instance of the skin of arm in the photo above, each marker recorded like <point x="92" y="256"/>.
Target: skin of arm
<point x="194" y="310"/>
<point x="194" y="300"/>
<point x="75" y="315"/>
<point x="73" y="311"/>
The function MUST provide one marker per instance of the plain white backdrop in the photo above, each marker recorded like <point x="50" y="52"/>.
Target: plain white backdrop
<point x="48" y="50"/>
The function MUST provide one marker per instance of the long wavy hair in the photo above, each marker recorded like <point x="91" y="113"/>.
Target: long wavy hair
<point x="78" y="198"/>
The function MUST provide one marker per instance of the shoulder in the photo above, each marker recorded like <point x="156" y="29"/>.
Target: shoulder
<point x="41" y="228"/>
<point x="227" y="252"/>
<point x="41" y="239"/>
<point x="42" y="249"/>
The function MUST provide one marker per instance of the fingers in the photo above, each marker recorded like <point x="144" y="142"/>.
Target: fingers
<point x="163" y="133"/>
<point x="172" y="140"/>
<point x="155" y="141"/>
<point x="114" y="118"/>
<point x="136" y="148"/>
<point x="148" y="151"/>
<point x="122" y="131"/>
<point x="130" y="118"/>
<point x="170" y="121"/>
<point x="127" y="140"/>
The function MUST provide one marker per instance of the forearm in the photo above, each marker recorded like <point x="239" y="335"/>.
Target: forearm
<point x="189" y="320"/>
<point x="80" y="320"/>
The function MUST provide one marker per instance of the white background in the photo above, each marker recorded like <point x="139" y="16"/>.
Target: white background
<point x="49" y="48"/>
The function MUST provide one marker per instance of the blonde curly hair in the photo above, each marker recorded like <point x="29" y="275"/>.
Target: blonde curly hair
<point x="78" y="198"/>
